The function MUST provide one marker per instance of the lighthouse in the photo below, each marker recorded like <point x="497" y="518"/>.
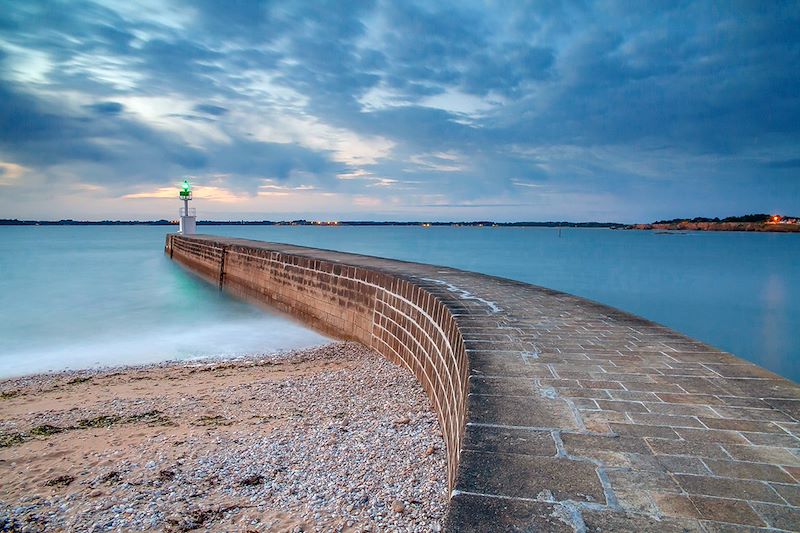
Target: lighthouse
<point x="188" y="218"/>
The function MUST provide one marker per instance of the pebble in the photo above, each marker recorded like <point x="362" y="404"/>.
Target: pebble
<point x="332" y="449"/>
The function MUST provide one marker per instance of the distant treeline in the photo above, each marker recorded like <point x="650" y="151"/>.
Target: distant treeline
<point x="755" y="218"/>
<point x="69" y="222"/>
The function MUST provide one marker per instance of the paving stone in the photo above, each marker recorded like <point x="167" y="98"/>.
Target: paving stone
<point x="636" y="501"/>
<point x="772" y="439"/>
<point x="790" y="493"/>
<point x="478" y="514"/>
<point x="790" y="427"/>
<point x="505" y="364"/>
<point x="694" y="449"/>
<point x="745" y="413"/>
<point x="779" y="516"/>
<point x="672" y="504"/>
<point x="665" y="420"/>
<point x="509" y="440"/>
<point x="632" y="480"/>
<point x="740" y="370"/>
<point x="725" y="487"/>
<point x="608" y="522"/>
<point x="744" y="401"/>
<point x="502" y="386"/>
<point x="598" y="421"/>
<point x="788" y="406"/>
<point x="763" y="454"/>
<point x="675" y="409"/>
<point x="530" y="411"/>
<point x="767" y="388"/>
<point x="742" y="425"/>
<point x="600" y="384"/>
<point x="586" y="445"/>
<point x="622" y="406"/>
<point x="683" y="465"/>
<point x="529" y="477"/>
<point x="586" y="404"/>
<point x="711" y="435"/>
<point x="696" y="385"/>
<point x="720" y="527"/>
<point x="652" y="386"/>
<point x="637" y="430"/>
<point x="726" y="510"/>
<point x="744" y="470"/>
<point x="698" y="399"/>
<point x="634" y="396"/>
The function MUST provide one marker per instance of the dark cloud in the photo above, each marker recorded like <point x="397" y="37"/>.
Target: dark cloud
<point x="106" y="108"/>
<point x="616" y="98"/>
<point x="209" y="109"/>
<point x="139" y="154"/>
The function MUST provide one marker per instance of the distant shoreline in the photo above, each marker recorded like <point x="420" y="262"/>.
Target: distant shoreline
<point x="480" y="223"/>
<point x="763" y="227"/>
<point x="684" y="225"/>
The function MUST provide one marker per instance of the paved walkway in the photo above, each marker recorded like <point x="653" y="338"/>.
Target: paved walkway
<point x="582" y="417"/>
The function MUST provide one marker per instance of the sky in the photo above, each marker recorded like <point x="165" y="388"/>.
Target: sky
<point x="399" y="110"/>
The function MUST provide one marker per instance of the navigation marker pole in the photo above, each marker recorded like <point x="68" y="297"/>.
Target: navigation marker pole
<point x="188" y="218"/>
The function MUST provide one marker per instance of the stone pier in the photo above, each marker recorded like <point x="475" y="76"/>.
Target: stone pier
<point x="559" y="414"/>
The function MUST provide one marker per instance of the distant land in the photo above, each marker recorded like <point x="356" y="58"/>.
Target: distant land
<point x="479" y="223"/>
<point x="755" y="222"/>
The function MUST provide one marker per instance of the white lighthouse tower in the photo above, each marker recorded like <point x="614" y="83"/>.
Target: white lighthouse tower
<point x="188" y="216"/>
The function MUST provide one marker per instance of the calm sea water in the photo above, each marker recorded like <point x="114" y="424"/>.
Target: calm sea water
<point x="79" y="297"/>
<point x="84" y="295"/>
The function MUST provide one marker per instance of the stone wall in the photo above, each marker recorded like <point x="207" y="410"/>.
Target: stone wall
<point x="559" y="414"/>
<point x="396" y="317"/>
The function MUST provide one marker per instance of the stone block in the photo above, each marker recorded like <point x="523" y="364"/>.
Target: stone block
<point x="531" y="477"/>
<point x="527" y="411"/>
<point x="479" y="514"/>
<point x="509" y="440"/>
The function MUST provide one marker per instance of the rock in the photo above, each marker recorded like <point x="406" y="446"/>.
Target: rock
<point x="430" y="450"/>
<point x="402" y="421"/>
<point x="398" y="507"/>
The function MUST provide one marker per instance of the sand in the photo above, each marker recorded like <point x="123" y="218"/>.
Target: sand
<point x="329" y="439"/>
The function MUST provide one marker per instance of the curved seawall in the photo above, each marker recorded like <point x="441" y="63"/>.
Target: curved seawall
<point x="559" y="414"/>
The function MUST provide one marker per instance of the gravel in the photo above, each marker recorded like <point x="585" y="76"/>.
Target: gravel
<point x="331" y="439"/>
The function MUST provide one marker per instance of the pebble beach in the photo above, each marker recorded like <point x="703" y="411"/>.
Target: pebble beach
<point x="329" y="439"/>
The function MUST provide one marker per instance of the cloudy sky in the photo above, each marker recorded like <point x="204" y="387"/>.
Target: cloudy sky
<point x="504" y="110"/>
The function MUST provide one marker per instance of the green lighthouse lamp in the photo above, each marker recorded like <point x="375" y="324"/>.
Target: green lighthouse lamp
<point x="188" y="216"/>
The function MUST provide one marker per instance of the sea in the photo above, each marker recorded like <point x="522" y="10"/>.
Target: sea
<point x="96" y="296"/>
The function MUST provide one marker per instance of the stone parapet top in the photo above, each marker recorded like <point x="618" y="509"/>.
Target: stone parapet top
<point x="580" y="417"/>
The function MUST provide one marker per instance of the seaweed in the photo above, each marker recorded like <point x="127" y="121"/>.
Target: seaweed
<point x="60" y="481"/>
<point x="11" y="439"/>
<point x="45" y="430"/>
<point x="102" y="421"/>
<point x="152" y="418"/>
<point x="215" y="420"/>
